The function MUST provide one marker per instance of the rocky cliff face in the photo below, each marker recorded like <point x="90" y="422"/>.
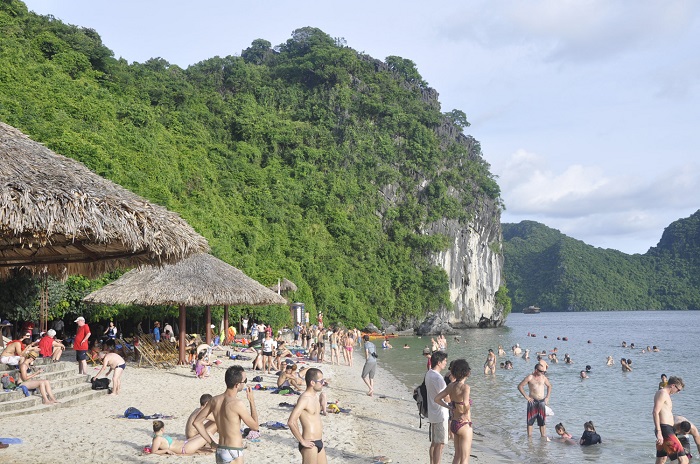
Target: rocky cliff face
<point x="474" y="270"/>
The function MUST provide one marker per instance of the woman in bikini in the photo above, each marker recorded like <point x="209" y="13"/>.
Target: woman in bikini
<point x="461" y="421"/>
<point x="29" y="380"/>
<point x="165" y="444"/>
<point x="349" y="346"/>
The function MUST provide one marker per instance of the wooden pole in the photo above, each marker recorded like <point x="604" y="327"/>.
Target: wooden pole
<point x="183" y="332"/>
<point x="207" y="309"/>
<point x="225" y="337"/>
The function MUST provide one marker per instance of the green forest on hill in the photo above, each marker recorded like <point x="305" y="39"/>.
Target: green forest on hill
<point x="277" y="156"/>
<point x="544" y="267"/>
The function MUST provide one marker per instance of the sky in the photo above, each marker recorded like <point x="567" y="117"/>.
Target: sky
<point x="584" y="109"/>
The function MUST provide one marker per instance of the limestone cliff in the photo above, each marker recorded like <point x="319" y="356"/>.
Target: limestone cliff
<point x="474" y="267"/>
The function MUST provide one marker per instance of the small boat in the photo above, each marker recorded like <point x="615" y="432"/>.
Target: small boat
<point x="378" y="336"/>
<point x="531" y="310"/>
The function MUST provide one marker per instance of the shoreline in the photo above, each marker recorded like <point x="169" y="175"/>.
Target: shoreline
<point x="384" y="425"/>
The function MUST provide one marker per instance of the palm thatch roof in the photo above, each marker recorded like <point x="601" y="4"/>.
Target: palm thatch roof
<point x="59" y="217"/>
<point x="283" y="286"/>
<point x="199" y="280"/>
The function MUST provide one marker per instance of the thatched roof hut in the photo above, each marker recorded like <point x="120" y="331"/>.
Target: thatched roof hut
<point x="58" y="216"/>
<point x="283" y="286"/>
<point x="199" y="280"/>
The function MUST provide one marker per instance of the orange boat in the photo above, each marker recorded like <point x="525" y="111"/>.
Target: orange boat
<point x="378" y="336"/>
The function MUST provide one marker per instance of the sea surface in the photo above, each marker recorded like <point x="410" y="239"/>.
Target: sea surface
<point x="619" y="404"/>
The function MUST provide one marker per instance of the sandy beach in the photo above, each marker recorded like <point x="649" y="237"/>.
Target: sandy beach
<point x="384" y="425"/>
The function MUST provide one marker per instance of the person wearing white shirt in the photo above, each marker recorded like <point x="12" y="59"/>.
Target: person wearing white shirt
<point x="437" y="415"/>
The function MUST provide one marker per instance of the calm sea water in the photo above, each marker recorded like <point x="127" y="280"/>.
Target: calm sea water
<point x="619" y="404"/>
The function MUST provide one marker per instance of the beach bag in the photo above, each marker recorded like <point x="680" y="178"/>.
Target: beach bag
<point x="133" y="413"/>
<point x="420" y="394"/>
<point x="100" y="384"/>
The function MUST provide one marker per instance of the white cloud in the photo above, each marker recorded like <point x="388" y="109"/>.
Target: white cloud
<point x="609" y="210"/>
<point x="572" y="30"/>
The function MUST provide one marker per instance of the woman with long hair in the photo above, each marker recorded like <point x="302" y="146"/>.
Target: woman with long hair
<point x="460" y="406"/>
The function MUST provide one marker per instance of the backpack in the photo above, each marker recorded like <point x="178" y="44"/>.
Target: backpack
<point x="420" y="394"/>
<point x="133" y="413"/>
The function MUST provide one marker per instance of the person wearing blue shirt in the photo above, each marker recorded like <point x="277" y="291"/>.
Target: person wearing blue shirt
<point x="156" y="331"/>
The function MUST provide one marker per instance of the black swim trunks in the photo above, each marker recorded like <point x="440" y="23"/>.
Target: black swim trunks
<point x="318" y="443"/>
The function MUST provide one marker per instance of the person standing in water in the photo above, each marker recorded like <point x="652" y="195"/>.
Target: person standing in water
<point x="536" y="399"/>
<point x="667" y="444"/>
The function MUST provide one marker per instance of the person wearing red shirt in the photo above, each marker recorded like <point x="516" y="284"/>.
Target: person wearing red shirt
<point x="80" y="344"/>
<point x="49" y="347"/>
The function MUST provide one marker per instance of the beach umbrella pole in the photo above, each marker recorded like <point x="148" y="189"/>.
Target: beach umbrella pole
<point x="183" y="332"/>
<point x="207" y="309"/>
<point x="226" y="320"/>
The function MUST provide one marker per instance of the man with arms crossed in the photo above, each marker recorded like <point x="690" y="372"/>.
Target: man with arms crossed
<point x="308" y="411"/>
<point x="437" y="415"/>
<point x="228" y="412"/>
<point x="667" y="444"/>
<point x="536" y="400"/>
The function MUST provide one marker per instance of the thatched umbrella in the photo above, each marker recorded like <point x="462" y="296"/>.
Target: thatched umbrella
<point x="57" y="216"/>
<point x="283" y="286"/>
<point x="200" y="280"/>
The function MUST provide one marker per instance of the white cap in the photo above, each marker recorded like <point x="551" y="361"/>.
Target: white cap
<point x="213" y="326"/>
<point x="81" y="318"/>
<point x="51" y="333"/>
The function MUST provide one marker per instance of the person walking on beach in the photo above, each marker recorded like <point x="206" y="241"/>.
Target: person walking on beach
<point x="536" y="399"/>
<point x="80" y="344"/>
<point x="667" y="444"/>
<point x="437" y="415"/>
<point x="308" y="411"/>
<point x="461" y="422"/>
<point x="228" y="411"/>
<point x="370" y="367"/>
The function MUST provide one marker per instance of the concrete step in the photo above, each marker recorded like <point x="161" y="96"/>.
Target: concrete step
<point x="64" y="394"/>
<point x="35" y="408"/>
<point x="59" y="380"/>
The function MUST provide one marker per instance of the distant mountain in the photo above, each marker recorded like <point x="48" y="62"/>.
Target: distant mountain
<point x="546" y="268"/>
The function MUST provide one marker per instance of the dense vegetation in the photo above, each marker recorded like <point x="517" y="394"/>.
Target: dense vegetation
<point x="278" y="156"/>
<point x="543" y="267"/>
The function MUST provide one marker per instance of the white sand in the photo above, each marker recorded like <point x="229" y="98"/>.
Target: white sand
<point x="386" y="424"/>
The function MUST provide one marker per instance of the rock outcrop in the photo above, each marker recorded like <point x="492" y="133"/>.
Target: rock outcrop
<point x="474" y="265"/>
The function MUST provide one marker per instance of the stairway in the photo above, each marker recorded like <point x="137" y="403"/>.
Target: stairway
<point x="68" y="387"/>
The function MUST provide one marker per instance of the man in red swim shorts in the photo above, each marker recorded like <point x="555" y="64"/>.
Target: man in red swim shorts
<point x="667" y="444"/>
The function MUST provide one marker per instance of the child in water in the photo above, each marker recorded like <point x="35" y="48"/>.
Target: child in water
<point x="561" y="431"/>
<point x="589" y="437"/>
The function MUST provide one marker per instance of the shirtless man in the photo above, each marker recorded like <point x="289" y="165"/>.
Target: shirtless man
<point x="667" y="444"/>
<point x="209" y="423"/>
<point x="12" y="354"/>
<point x="490" y="364"/>
<point x="288" y="377"/>
<point x="308" y="411"/>
<point x="517" y="350"/>
<point x="115" y="363"/>
<point x="625" y="367"/>
<point x="228" y="412"/>
<point x="536" y="400"/>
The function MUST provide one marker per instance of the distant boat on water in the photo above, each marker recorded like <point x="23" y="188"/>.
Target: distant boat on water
<point x="531" y="310"/>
